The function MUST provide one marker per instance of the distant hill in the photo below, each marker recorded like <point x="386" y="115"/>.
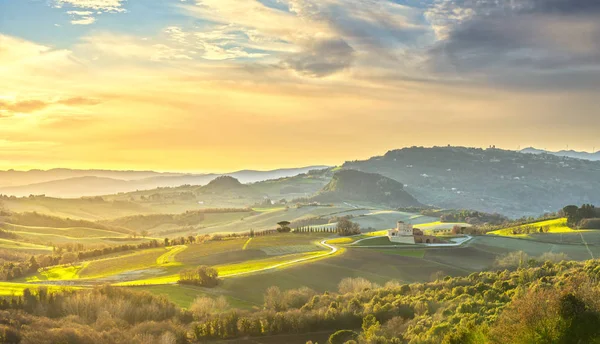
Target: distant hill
<point x="302" y="185"/>
<point x="71" y="187"/>
<point x="352" y="185"/>
<point x="491" y="180"/>
<point x="78" y="183"/>
<point x="227" y="184"/>
<point x="565" y="153"/>
<point x="17" y="178"/>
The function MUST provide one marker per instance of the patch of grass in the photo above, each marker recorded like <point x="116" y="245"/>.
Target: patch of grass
<point x="325" y="274"/>
<point x="61" y="239"/>
<point x="376" y="233"/>
<point x="341" y="241"/>
<point x="245" y="267"/>
<point x="23" y="246"/>
<point x="112" y="266"/>
<point x="168" y="258"/>
<point x="260" y="264"/>
<point x="218" y="252"/>
<point x="285" y="239"/>
<point x="264" y="210"/>
<point x="554" y="226"/>
<point x="290" y="249"/>
<point x="246" y="244"/>
<point x="62" y="272"/>
<point x="403" y="252"/>
<point x="73" y="232"/>
<point x="378" y="241"/>
<point x="16" y="289"/>
<point x="184" y="295"/>
<point x="161" y="280"/>
<point x="212" y="219"/>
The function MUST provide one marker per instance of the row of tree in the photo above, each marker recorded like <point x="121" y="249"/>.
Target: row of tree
<point x="577" y="215"/>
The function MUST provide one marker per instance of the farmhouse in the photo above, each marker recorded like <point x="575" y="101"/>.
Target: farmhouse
<point x="404" y="233"/>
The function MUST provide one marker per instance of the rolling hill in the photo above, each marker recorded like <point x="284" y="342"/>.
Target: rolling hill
<point x="491" y="180"/>
<point x="565" y="153"/>
<point x="356" y="186"/>
<point x="79" y="183"/>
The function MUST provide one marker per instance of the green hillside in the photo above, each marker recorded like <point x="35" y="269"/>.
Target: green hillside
<point x="490" y="180"/>
<point x="351" y="185"/>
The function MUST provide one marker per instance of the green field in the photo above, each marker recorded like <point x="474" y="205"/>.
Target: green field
<point x="78" y="208"/>
<point x="267" y="218"/>
<point x="249" y="266"/>
<point x="25" y="247"/>
<point x="112" y="266"/>
<point x="184" y="295"/>
<point x="76" y="232"/>
<point x="503" y="245"/>
<point x="377" y="241"/>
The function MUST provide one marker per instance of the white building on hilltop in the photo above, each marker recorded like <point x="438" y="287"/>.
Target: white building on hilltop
<point x="403" y="233"/>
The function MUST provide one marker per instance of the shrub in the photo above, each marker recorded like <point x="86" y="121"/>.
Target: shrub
<point x="203" y="276"/>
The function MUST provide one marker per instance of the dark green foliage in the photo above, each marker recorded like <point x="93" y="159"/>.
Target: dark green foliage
<point x="584" y="217"/>
<point x="349" y="185"/>
<point x="489" y="180"/>
<point x="474" y="217"/>
<point x="202" y="276"/>
<point x="342" y="336"/>
<point x="284" y="227"/>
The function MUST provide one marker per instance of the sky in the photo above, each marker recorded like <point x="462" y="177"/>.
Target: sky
<point x="223" y="85"/>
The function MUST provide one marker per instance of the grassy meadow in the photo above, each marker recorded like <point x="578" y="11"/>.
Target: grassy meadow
<point x="248" y="266"/>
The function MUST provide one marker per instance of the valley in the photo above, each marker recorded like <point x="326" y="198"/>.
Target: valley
<point x="319" y="232"/>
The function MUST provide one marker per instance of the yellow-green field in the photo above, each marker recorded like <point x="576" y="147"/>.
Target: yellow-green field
<point x="16" y="289"/>
<point x="233" y="270"/>
<point x="264" y="210"/>
<point x="554" y="226"/>
<point x="113" y="266"/>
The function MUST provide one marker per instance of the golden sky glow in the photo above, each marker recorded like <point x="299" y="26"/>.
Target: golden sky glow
<point x="290" y="87"/>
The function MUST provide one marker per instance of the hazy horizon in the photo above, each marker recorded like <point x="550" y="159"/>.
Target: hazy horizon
<point x="273" y="165"/>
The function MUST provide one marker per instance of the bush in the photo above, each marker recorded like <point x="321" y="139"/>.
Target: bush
<point x="346" y="227"/>
<point x="342" y="336"/>
<point x="203" y="276"/>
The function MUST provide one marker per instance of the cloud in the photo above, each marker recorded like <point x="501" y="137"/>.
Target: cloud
<point x="220" y="42"/>
<point x="96" y="5"/>
<point x="313" y="38"/>
<point x="82" y="17"/>
<point x="503" y="39"/>
<point x="84" y="10"/>
<point x="321" y="57"/>
<point x="23" y="106"/>
<point x="33" y="105"/>
<point x="130" y="47"/>
<point x="83" y="21"/>
<point x="18" y="57"/>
